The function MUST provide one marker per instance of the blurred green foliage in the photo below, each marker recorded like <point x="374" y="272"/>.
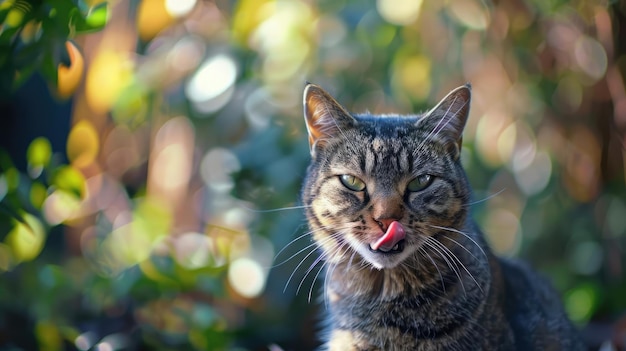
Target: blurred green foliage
<point x="33" y="36"/>
<point x="175" y="222"/>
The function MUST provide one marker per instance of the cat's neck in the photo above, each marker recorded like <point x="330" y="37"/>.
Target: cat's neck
<point x="361" y="279"/>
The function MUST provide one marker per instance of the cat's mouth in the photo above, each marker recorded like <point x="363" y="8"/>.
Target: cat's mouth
<point x="397" y="248"/>
<point x="392" y="241"/>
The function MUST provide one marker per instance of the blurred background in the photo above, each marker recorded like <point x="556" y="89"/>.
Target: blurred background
<point x="151" y="155"/>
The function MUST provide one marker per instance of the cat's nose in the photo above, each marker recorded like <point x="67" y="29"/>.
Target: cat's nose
<point x="386" y="209"/>
<point x="384" y="223"/>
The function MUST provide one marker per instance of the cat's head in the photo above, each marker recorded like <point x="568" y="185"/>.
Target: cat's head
<point x="379" y="186"/>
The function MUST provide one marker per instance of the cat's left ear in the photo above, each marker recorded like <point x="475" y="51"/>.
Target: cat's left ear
<point x="325" y="118"/>
<point x="447" y="120"/>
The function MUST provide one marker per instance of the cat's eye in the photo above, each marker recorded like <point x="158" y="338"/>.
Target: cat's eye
<point x="420" y="183"/>
<point x="351" y="182"/>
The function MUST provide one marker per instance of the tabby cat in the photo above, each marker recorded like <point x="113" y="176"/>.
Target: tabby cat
<point x="387" y="202"/>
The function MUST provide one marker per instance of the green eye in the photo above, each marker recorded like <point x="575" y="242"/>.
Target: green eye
<point x="420" y="183"/>
<point x="351" y="182"/>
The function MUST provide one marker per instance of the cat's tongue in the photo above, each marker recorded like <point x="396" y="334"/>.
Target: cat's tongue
<point x="394" y="234"/>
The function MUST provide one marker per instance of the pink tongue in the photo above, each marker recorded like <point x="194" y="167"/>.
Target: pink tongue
<point x="394" y="234"/>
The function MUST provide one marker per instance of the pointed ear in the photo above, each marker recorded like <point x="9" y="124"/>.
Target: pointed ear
<point x="447" y="120"/>
<point x="325" y="118"/>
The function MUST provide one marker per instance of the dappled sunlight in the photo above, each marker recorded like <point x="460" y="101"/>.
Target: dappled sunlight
<point x="195" y="250"/>
<point x="38" y="154"/>
<point x="60" y="206"/>
<point x="399" y="12"/>
<point x="473" y="14"/>
<point x="186" y="54"/>
<point x="246" y="277"/>
<point x="83" y="144"/>
<point x="412" y="75"/>
<point x="153" y="16"/>
<point x="110" y="72"/>
<point x="534" y="177"/>
<point x="216" y="168"/>
<point x="179" y="8"/>
<point x="504" y="230"/>
<point x="590" y="57"/>
<point x="211" y="86"/>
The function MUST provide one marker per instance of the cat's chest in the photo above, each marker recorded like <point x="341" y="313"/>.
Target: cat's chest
<point x="408" y="323"/>
<point x="411" y="314"/>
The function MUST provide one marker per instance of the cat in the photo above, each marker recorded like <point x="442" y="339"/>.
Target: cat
<point x="387" y="202"/>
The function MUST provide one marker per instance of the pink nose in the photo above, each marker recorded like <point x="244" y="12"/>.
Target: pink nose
<point x="384" y="223"/>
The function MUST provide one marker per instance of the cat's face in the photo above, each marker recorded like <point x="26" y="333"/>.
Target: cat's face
<point x="379" y="188"/>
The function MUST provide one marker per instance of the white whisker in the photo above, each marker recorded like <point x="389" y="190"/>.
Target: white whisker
<point x="302" y="261"/>
<point x="314" y="280"/>
<point x="422" y="251"/>
<point x="464" y="234"/>
<point x="276" y="209"/>
<point x="291" y="243"/>
<point x="445" y="255"/>
<point x="294" y="255"/>
<point x="457" y="259"/>
<point x="487" y="198"/>
<point x="308" y="271"/>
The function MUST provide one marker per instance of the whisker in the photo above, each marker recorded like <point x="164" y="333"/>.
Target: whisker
<point x="461" y="246"/>
<point x="301" y="262"/>
<point x="462" y="233"/>
<point x="422" y="251"/>
<point x="431" y="243"/>
<point x="487" y="198"/>
<point x="314" y="280"/>
<point x="293" y="242"/>
<point x="294" y="255"/>
<point x="350" y="261"/>
<point x="276" y="209"/>
<point x="279" y="209"/>
<point x="329" y="238"/>
<point x="308" y="271"/>
<point x="455" y="257"/>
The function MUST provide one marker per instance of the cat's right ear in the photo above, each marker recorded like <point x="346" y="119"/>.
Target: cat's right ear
<point x="447" y="120"/>
<point x="325" y="118"/>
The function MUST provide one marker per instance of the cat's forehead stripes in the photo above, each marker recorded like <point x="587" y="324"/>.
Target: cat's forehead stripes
<point x="374" y="156"/>
<point x="387" y="145"/>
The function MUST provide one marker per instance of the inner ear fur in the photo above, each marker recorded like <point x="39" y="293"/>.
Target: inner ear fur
<point x="447" y="119"/>
<point x="325" y="118"/>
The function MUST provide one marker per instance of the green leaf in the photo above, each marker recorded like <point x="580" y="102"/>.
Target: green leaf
<point x="58" y="21"/>
<point x="22" y="76"/>
<point x="7" y="34"/>
<point x="98" y="16"/>
<point x="70" y="179"/>
<point x="38" y="193"/>
<point x="7" y="211"/>
<point x="14" y="18"/>
<point x="5" y="7"/>
<point x="48" y="68"/>
<point x="27" y="238"/>
<point x="96" y="19"/>
<point x="12" y="177"/>
<point x="39" y="152"/>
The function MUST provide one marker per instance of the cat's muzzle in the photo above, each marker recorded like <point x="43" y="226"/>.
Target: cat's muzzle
<point x="397" y="248"/>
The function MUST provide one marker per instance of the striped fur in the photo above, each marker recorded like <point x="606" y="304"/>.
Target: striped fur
<point x="445" y="290"/>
